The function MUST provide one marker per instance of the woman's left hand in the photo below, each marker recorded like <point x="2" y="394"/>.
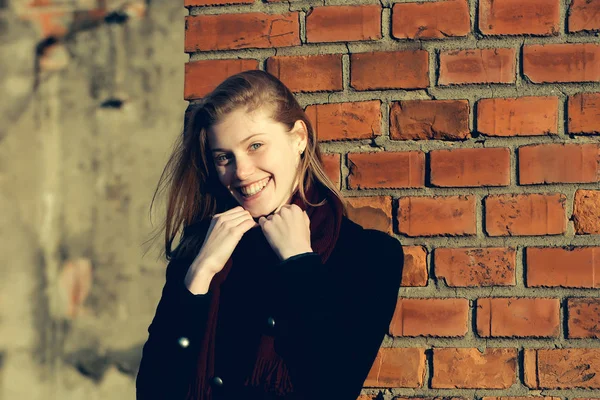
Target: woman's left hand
<point x="287" y="231"/>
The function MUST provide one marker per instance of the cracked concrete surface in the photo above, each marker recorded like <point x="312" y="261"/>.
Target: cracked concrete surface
<point x="84" y="136"/>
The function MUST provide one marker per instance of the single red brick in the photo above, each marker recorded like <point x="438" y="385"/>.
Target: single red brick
<point x="342" y="121"/>
<point x="397" y="367"/>
<point x="570" y="62"/>
<point x="477" y="66"/>
<point x="308" y="73"/>
<point x="386" y="170"/>
<point x="584" y="318"/>
<point x="464" y="368"/>
<point x="584" y="113"/>
<point x="522" y="116"/>
<point x="530" y="368"/>
<point x="414" y="272"/>
<point x="431" y="20"/>
<point x="525" y="214"/>
<point x="577" y="267"/>
<point x="563" y="368"/>
<point x="373" y="212"/>
<point x="583" y="15"/>
<point x="367" y="397"/>
<point x="331" y="164"/>
<point x="475" y="267"/>
<point x="430" y="317"/>
<point x="196" y="83"/>
<point x="192" y="3"/>
<point x="586" y="212"/>
<point x="515" y="17"/>
<point x="518" y="317"/>
<point x="241" y="31"/>
<point x="470" y="167"/>
<point x="521" y="398"/>
<point x="431" y="398"/>
<point x="559" y="163"/>
<point x="389" y="70"/>
<point x="437" y="216"/>
<point x="429" y="119"/>
<point x="343" y="23"/>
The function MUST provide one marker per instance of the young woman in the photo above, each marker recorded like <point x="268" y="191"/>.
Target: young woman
<point x="272" y="292"/>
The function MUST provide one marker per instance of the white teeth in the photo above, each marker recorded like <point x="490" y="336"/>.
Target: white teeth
<point x="251" y="190"/>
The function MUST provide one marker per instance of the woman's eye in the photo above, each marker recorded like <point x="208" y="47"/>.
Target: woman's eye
<point x="221" y="158"/>
<point x="255" y="146"/>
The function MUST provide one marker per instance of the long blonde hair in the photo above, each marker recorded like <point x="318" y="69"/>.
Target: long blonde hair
<point x="194" y="190"/>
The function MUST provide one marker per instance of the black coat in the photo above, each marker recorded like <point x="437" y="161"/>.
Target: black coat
<point x="328" y="321"/>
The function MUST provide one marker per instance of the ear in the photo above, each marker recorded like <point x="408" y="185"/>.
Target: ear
<point x="299" y="136"/>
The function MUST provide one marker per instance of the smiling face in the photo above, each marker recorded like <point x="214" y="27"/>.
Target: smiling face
<point x="256" y="158"/>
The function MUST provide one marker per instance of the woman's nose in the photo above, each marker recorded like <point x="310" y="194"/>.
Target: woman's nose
<point x="243" y="168"/>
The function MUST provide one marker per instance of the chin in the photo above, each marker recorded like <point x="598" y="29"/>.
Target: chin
<point x="256" y="214"/>
<point x="261" y="210"/>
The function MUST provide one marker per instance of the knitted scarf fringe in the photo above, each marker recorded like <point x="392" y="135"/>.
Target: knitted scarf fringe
<point x="271" y="375"/>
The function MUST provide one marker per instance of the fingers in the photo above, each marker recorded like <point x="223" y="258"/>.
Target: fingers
<point x="246" y="225"/>
<point x="289" y="210"/>
<point x="235" y="223"/>
<point x="240" y="220"/>
<point x="233" y="211"/>
<point x="285" y="211"/>
<point x="230" y="215"/>
<point x="268" y="219"/>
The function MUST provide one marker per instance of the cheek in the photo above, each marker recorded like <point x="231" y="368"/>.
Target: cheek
<point x="281" y="159"/>
<point x="223" y="175"/>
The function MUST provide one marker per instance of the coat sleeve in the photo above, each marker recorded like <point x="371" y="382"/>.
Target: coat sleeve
<point x="173" y="339"/>
<point x="332" y="320"/>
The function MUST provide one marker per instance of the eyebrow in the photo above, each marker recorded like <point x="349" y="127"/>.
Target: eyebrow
<point x="242" y="142"/>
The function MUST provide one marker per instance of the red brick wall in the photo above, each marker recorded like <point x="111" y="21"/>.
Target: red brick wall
<point x="470" y="131"/>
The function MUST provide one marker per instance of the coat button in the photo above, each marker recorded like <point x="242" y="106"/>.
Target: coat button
<point x="217" y="382"/>
<point x="183" y="342"/>
<point x="271" y="322"/>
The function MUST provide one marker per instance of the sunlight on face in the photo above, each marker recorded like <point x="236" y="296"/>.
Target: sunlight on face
<point x="256" y="159"/>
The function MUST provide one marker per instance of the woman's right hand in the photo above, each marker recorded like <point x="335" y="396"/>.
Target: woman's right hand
<point x="224" y="233"/>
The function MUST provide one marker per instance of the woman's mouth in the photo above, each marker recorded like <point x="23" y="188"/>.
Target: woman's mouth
<point x="253" y="190"/>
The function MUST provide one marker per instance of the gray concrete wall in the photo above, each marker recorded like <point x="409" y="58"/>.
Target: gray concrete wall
<point x="90" y="108"/>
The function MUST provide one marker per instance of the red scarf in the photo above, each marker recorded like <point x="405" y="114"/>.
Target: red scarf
<point x="269" y="372"/>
